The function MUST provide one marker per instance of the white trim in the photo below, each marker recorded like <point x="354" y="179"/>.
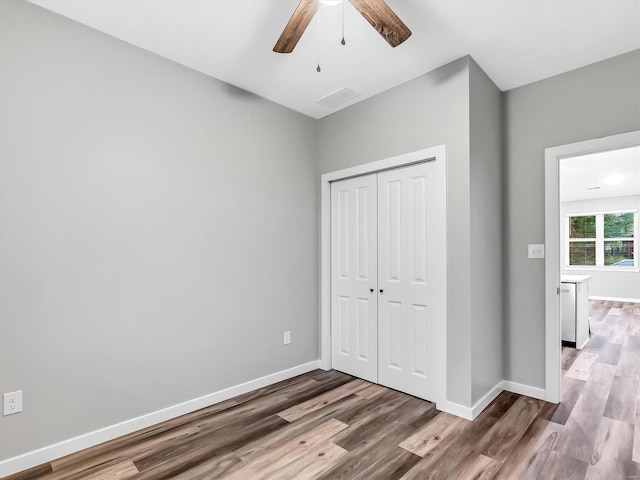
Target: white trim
<point x="552" y="265"/>
<point x="438" y="152"/>
<point x="522" y="389"/>
<point x="456" y="409"/>
<point x="616" y="299"/>
<point x="470" y="413"/>
<point x="72" y="445"/>
<point x="600" y="212"/>
<point x="488" y="397"/>
<point x="590" y="268"/>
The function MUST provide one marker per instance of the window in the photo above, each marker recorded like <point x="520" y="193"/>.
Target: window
<point x="618" y="238"/>
<point x="602" y="240"/>
<point x="582" y="240"/>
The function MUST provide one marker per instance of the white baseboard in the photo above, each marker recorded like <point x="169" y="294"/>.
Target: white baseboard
<point x="470" y="413"/>
<point x="72" y="445"/>
<point x="489" y="397"/>
<point x="616" y="299"/>
<point x="455" y="409"/>
<point x="522" y="389"/>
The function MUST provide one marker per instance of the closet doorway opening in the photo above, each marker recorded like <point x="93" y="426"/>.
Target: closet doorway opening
<point x="384" y="272"/>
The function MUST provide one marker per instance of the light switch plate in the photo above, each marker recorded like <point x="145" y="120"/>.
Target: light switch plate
<point x="536" y="250"/>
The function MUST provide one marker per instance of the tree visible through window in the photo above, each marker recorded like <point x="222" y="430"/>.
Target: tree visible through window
<point x="606" y="239"/>
<point x="618" y="243"/>
<point x="582" y="240"/>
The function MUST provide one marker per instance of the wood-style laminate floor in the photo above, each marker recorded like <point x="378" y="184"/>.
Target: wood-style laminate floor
<point x="328" y="425"/>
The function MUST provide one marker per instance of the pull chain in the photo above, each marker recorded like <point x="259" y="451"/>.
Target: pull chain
<point x="318" y="69"/>
<point x="343" y="42"/>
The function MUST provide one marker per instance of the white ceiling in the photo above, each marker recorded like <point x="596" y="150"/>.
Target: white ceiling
<point x="516" y="42"/>
<point x="616" y="173"/>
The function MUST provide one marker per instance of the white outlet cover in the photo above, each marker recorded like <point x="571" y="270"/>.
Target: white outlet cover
<point x="536" y="250"/>
<point x="287" y="338"/>
<point x="11" y="403"/>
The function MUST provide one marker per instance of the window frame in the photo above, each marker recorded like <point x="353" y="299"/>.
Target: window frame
<point x="600" y="241"/>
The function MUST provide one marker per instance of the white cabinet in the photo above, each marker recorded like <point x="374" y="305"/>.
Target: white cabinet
<point x="574" y="310"/>
<point x="568" y="311"/>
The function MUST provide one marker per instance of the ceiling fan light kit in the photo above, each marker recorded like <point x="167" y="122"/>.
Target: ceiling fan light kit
<point x="376" y="12"/>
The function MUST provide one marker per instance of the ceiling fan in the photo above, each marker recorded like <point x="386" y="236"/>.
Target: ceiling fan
<point x="376" y="12"/>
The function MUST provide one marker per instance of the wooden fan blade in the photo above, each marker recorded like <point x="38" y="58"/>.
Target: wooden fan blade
<point x="382" y="18"/>
<point x="297" y="25"/>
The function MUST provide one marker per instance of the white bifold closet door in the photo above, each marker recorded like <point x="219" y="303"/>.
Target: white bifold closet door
<point x="388" y="275"/>
<point x="354" y="277"/>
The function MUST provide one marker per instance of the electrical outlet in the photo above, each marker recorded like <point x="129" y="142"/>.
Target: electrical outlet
<point x="287" y="338"/>
<point x="12" y="403"/>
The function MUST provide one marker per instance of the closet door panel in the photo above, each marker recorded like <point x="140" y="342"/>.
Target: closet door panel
<point x="354" y="272"/>
<point x="405" y="255"/>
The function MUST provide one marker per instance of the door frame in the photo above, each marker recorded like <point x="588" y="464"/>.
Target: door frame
<point x="552" y="267"/>
<point x="437" y="153"/>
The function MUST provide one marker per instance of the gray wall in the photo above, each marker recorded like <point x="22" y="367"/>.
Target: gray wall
<point x="603" y="283"/>
<point x="485" y="105"/>
<point x="158" y="231"/>
<point x="430" y="110"/>
<point x="594" y="101"/>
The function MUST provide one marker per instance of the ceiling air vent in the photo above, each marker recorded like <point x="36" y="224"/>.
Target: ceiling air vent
<point x="338" y="98"/>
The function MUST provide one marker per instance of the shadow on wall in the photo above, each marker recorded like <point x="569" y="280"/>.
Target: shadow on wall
<point x="240" y="93"/>
<point x="506" y="239"/>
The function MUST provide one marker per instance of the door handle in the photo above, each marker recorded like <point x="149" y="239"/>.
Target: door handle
<point x="381" y="291"/>
<point x="371" y="290"/>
